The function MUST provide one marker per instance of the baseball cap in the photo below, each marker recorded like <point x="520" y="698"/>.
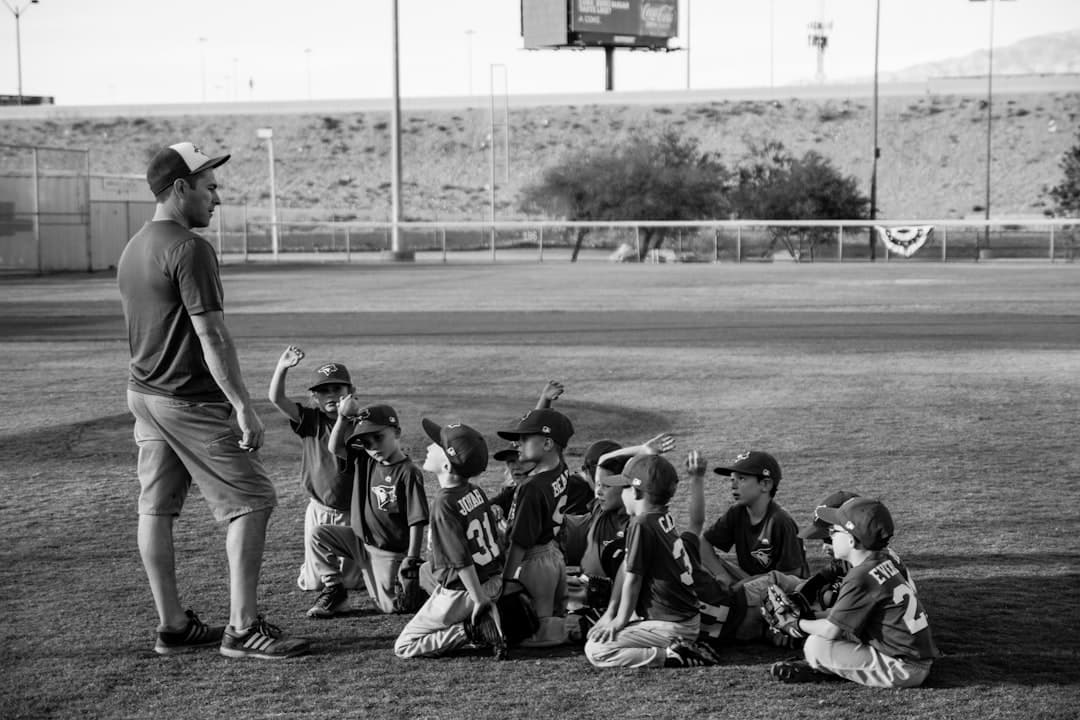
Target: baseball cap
<point x="543" y="421"/>
<point x="595" y="451"/>
<point x="179" y="161"/>
<point x="465" y="447"/>
<point x="866" y="519"/>
<point x="753" y="462"/>
<point x="507" y="455"/>
<point x="374" y="418"/>
<point x="330" y="373"/>
<point x="652" y="474"/>
<point x="819" y="529"/>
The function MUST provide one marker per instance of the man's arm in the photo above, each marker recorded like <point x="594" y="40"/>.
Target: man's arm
<point x="823" y="627"/>
<point x="549" y="394"/>
<point x="220" y="353"/>
<point x="695" y="467"/>
<point x="513" y="561"/>
<point x="416" y="539"/>
<point x="276" y="393"/>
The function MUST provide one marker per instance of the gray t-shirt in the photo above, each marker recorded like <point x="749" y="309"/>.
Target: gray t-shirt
<point x="166" y="274"/>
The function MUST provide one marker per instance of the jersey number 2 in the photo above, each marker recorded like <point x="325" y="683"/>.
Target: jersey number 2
<point x="914" y="621"/>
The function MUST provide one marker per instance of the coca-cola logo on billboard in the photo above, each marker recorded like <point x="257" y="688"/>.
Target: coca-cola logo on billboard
<point x="658" y="18"/>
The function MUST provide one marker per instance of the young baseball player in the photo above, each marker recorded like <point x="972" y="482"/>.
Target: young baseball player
<point x="534" y="557"/>
<point x="763" y="534"/>
<point x="465" y="558"/>
<point x="656" y="583"/>
<point x="326" y="478"/>
<point x="877" y="606"/>
<point x="389" y="511"/>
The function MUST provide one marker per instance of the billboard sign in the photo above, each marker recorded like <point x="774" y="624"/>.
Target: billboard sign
<point x="625" y="18"/>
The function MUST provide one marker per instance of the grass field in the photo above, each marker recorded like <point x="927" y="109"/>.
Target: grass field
<point x="949" y="391"/>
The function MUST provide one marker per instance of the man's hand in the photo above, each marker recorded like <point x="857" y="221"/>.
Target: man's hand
<point x="695" y="463"/>
<point x="251" y="428"/>
<point x="291" y="357"/>
<point x="605" y="629"/>
<point x="348" y="406"/>
<point x="551" y="391"/>
<point x="660" y="444"/>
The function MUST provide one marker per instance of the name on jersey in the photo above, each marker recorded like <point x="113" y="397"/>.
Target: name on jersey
<point x="470" y="502"/>
<point x="884" y="571"/>
<point x="558" y="487"/>
<point x="667" y="523"/>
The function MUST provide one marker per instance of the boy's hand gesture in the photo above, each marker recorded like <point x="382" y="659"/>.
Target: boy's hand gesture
<point x="291" y="357"/>
<point x="695" y="463"/>
<point x="660" y="444"/>
<point x="551" y="391"/>
<point x="348" y="406"/>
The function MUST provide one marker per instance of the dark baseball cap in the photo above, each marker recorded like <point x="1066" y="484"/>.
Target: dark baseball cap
<point x="594" y="452"/>
<point x="179" y="161"/>
<point x="465" y="447"/>
<point x="867" y="519"/>
<point x="507" y="455"/>
<point x="819" y="529"/>
<point x="753" y="462"/>
<point x="543" y="421"/>
<point x="652" y="474"/>
<point x="374" y="418"/>
<point x="330" y="373"/>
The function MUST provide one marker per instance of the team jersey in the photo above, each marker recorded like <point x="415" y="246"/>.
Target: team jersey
<point x="536" y="513"/>
<point x="772" y="544"/>
<point x="879" y="606"/>
<point x="462" y="533"/>
<point x="579" y="495"/>
<point x="655" y="552"/>
<point x="166" y="274"/>
<point x="605" y="527"/>
<point x="325" y="477"/>
<point x="387" y="500"/>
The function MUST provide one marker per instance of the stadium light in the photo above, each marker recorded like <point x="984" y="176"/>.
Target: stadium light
<point x="17" y="12"/>
<point x="989" y="111"/>
<point x="267" y="134"/>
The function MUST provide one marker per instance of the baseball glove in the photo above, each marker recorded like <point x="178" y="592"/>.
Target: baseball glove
<point x="519" y="620"/>
<point x="782" y="612"/>
<point x="408" y="595"/>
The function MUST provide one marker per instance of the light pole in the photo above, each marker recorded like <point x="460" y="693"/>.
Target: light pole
<point x="17" y="12"/>
<point x="687" y="44"/>
<point x="877" y="150"/>
<point x="202" y="61"/>
<point x="235" y="80"/>
<point x="989" y="112"/>
<point x="468" y="50"/>
<point x="267" y="134"/>
<point x="307" y="54"/>
<point x="395" y="146"/>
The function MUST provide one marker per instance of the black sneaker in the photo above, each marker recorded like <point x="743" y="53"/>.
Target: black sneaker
<point x="681" y="654"/>
<point x="195" y="635"/>
<point x="263" y="641"/>
<point x="332" y="600"/>
<point x="798" y="671"/>
<point x="487" y="632"/>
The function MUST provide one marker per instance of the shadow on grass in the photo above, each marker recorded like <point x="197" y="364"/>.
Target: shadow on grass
<point x="1004" y="628"/>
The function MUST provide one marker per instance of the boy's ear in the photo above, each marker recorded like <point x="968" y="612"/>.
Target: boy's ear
<point x="397" y="432"/>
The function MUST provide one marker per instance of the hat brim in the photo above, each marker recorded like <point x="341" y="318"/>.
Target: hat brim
<point x="620" y="481"/>
<point x="830" y="516"/>
<point x="506" y="455"/>
<point x="816" y="531"/>
<point x="433" y="430"/>
<point x="366" y="428"/>
<point x="726" y="472"/>
<point x="509" y="434"/>
<point x="212" y="163"/>
<point x="318" y="385"/>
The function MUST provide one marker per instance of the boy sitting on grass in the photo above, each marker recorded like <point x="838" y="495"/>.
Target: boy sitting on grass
<point x="466" y="561"/>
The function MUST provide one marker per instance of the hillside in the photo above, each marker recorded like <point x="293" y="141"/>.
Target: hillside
<point x="932" y="162"/>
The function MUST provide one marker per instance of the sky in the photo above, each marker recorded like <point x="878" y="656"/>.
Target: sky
<point x="143" y="51"/>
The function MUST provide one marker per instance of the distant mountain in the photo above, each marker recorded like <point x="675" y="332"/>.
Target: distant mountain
<point x="1042" y="54"/>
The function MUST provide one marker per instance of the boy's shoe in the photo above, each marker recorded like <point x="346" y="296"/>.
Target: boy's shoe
<point x="681" y="654"/>
<point x="798" y="671"/>
<point x="487" y="633"/>
<point x="195" y="635"/>
<point x="332" y="600"/>
<point x="262" y="640"/>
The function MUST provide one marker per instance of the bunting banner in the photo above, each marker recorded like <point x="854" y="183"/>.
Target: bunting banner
<point x="904" y="241"/>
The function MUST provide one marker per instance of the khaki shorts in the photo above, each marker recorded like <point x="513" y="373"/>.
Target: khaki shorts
<point x="180" y="441"/>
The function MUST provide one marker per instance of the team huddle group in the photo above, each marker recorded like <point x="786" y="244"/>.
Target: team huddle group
<point x="597" y="553"/>
<point x="591" y="556"/>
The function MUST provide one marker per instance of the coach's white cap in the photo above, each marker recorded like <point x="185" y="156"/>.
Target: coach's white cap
<point x="179" y="161"/>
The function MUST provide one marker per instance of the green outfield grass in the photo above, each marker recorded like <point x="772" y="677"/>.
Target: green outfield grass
<point x="948" y="391"/>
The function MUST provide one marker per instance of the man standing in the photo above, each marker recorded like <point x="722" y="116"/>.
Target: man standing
<point x="185" y="384"/>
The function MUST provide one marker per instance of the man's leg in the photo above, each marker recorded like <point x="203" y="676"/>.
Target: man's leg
<point x="159" y="560"/>
<point x="244" y="543"/>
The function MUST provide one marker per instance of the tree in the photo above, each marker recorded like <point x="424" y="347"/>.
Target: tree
<point x="775" y="185"/>
<point x="1066" y="194"/>
<point x="642" y="177"/>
